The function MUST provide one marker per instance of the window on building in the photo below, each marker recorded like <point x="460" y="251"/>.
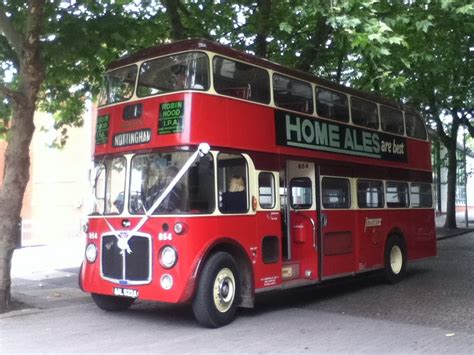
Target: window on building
<point x="364" y="113"/>
<point x="332" y="104"/>
<point x="370" y="194"/>
<point x="335" y="193"/>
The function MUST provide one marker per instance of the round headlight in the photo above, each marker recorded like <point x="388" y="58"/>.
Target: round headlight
<point x="168" y="257"/>
<point x="91" y="252"/>
<point x="166" y="281"/>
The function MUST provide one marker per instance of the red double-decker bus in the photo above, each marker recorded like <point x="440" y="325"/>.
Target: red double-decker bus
<point x="219" y="175"/>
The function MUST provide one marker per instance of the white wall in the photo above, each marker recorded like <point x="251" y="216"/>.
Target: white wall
<point x="58" y="183"/>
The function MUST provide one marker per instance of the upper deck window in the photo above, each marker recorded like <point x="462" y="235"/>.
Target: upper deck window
<point x="364" y="113"/>
<point x="118" y="85"/>
<point x="392" y="120"/>
<point x="241" y="80"/>
<point x="292" y="94"/>
<point x="415" y="126"/>
<point x="186" y="71"/>
<point x="331" y="104"/>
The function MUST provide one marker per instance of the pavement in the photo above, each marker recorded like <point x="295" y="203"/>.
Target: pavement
<point x="444" y="233"/>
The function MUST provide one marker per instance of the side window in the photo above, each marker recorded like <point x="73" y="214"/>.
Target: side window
<point x="292" y="94"/>
<point x="415" y="126"/>
<point x="370" y="194"/>
<point x="364" y="113"/>
<point x="391" y="120"/>
<point x="266" y="190"/>
<point x="232" y="183"/>
<point x="115" y="185"/>
<point x="421" y="195"/>
<point x="301" y="193"/>
<point x="335" y="193"/>
<point x="331" y="104"/>
<point x="98" y="182"/>
<point x="241" y="80"/>
<point x="397" y="194"/>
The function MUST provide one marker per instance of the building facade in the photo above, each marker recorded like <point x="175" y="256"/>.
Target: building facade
<point x="464" y="179"/>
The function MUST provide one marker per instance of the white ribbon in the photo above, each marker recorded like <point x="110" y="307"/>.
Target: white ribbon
<point x="124" y="236"/>
<point x="202" y="150"/>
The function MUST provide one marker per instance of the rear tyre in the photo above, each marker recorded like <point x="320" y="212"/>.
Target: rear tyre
<point x="395" y="260"/>
<point x="218" y="292"/>
<point x="112" y="303"/>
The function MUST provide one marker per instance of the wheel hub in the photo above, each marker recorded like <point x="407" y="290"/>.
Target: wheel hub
<point x="396" y="259"/>
<point x="224" y="290"/>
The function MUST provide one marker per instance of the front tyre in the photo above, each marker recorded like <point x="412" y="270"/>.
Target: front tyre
<point x="218" y="291"/>
<point x="112" y="303"/>
<point x="395" y="260"/>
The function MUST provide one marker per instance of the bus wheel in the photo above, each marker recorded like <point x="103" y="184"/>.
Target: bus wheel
<point x="395" y="263"/>
<point x="112" y="303"/>
<point x="218" y="291"/>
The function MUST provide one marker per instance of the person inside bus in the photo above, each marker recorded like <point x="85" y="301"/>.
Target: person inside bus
<point x="178" y="77"/>
<point x="235" y="199"/>
<point x="172" y="202"/>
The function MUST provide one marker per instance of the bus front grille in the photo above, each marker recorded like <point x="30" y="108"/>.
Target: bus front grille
<point x="132" y="266"/>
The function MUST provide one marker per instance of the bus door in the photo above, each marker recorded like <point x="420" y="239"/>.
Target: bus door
<point x="337" y="228"/>
<point x="300" y="212"/>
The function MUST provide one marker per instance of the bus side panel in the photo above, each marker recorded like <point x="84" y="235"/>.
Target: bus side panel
<point x="372" y="227"/>
<point x="339" y="242"/>
<point x="268" y="261"/>
<point x="232" y="123"/>
<point x="422" y="234"/>
<point x="419" y="153"/>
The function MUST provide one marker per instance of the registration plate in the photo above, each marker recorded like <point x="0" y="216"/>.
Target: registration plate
<point x="125" y="292"/>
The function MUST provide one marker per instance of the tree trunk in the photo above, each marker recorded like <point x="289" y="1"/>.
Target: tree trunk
<point x="311" y="54"/>
<point x="451" y="195"/>
<point x="263" y="27"/>
<point x="16" y="176"/>
<point x="177" y="30"/>
<point x="17" y="155"/>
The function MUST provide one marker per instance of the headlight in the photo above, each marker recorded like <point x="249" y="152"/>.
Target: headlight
<point x="168" y="257"/>
<point x="91" y="252"/>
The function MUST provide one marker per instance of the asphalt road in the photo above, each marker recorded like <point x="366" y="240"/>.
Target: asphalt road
<point x="432" y="311"/>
